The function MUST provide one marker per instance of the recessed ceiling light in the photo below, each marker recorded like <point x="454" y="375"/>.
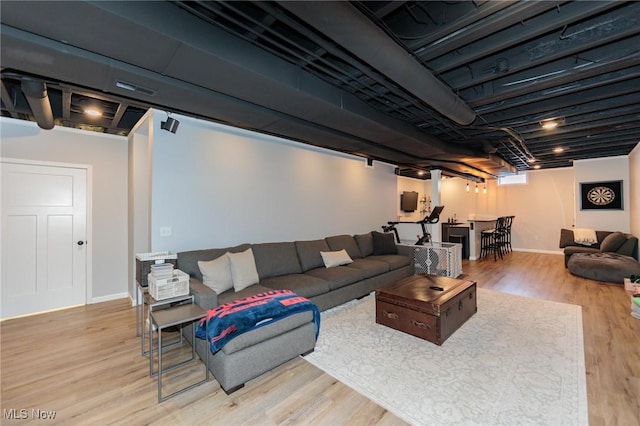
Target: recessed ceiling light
<point x="558" y="149"/>
<point x="537" y="166"/>
<point x="531" y="160"/>
<point x="93" y="112"/>
<point x="549" y="124"/>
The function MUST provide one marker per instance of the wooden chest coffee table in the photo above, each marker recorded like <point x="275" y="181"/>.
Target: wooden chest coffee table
<point x="426" y="306"/>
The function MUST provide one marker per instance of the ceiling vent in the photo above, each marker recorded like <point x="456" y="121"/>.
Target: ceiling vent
<point x="135" y="88"/>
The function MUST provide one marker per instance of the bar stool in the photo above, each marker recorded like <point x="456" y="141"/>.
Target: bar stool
<point x="492" y="240"/>
<point x="507" y="232"/>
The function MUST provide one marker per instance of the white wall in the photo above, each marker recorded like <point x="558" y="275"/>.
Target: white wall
<point x="597" y="170"/>
<point x="107" y="154"/>
<point x="549" y="201"/>
<point x="217" y="186"/>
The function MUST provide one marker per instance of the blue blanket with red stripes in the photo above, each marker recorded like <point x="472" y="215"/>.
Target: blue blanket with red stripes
<point x="232" y="319"/>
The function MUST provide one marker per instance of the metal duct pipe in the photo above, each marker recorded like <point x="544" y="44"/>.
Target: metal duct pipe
<point x="351" y="29"/>
<point x="36" y="93"/>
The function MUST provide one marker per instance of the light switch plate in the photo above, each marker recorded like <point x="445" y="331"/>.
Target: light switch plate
<point x="165" y="231"/>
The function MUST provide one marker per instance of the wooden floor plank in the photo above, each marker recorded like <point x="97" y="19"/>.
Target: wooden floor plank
<point x="84" y="363"/>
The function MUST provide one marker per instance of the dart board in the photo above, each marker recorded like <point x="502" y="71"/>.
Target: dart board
<point x="601" y="195"/>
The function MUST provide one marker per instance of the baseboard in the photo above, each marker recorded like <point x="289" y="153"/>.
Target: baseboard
<point x="109" y="298"/>
<point x="539" y="251"/>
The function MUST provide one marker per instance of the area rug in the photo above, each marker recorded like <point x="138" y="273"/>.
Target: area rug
<point x="517" y="361"/>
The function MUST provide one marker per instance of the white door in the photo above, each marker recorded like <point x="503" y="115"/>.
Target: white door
<point x="43" y="238"/>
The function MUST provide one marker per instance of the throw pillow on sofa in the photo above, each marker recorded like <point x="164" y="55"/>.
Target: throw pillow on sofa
<point x="216" y="273"/>
<point x="612" y="242"/>
<point x="243" y="269"/>
<point x="384" y="243"/>
<point x="335" y="258"/>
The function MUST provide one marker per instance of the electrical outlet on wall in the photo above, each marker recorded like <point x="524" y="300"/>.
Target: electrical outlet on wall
<point x="165" y="231"/>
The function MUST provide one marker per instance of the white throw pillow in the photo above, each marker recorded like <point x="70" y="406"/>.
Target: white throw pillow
<point x="216" y="273"/>
<point x="335" y="258"/>
<point x="243" y="269"/>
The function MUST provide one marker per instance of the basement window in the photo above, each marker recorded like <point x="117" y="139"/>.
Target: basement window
<point x="519" y="179"/>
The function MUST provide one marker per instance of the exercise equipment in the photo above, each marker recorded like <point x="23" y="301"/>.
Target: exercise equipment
<point x="433" y="217"/>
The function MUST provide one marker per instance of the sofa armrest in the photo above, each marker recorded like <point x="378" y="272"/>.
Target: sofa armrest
<point x="203" y="295"/>
<point x="409" y="251"/>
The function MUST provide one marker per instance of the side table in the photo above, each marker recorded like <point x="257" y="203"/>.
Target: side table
<point x="148" y="304"/>
<point x="170" y="317"/>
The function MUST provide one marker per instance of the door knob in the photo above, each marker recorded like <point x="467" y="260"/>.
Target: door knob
<point x="80" y="243"/>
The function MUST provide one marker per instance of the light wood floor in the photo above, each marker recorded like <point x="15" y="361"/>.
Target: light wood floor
<point x="85" y="364"/>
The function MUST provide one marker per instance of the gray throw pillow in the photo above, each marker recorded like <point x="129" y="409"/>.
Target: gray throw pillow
<point x="612" y="242"/>
<point x="566" y="238"/>
<point x="384" y="243"/>
<point x="365" y="243"/>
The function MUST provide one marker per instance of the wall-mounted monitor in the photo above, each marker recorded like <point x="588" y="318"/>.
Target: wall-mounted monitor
<point x="409" y="201"/>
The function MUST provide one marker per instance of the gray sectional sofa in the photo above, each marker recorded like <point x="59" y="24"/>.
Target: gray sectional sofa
<point x="611" y="259"/>
<point x="608" y="242"/>
<point x="296" y="266"/>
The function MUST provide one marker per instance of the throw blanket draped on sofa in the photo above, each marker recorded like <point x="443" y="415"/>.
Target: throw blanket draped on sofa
<point x="230" y="320"/>
<point x="584" y="236"/>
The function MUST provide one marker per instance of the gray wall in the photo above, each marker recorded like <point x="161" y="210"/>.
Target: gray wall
<point x="107" y="154"/>
<point x="216" y="186"/>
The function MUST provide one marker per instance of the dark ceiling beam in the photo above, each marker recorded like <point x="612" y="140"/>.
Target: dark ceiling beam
<point x="8" y="102"/>
<point x="550" y="82"/>
<point x="542" y="104"/>
<point x="66" y="106"/>
<point x="389" y="7"/>
<point x="348" y="27"/>
<point x="481" y="12"/>
<point x="451" y="41"/>
<point x="550" y="49"/>
<point x="122" y="108"/>
<point x="622" y="104"/>
<point x="362" y="90"/>
<point x="501" y="44"/>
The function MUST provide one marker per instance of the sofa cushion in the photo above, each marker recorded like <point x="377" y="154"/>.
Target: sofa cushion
<point x="274" y="259"/>
<point x="338" y="276"/>
<point x="243" y="269"/>
<point x="262" y="334"/>
<point x="384" y="243"/>
<point x="335" y="258"/>
<point x="629" y="247"/>
<point x="369" y="267"/>
<point x="612" y="242"/>
<point x="365" y="243"/>
<point x="301" y="284"/>
<point x="216" y="273"/>
<point x="600" y="266"/>
<point x="309" y="253"/>
<point x="566" y="238"/>
<point x="231" y="295"/>
<point x="571" y="250"/>
<point x="188" y="260"/>
<point x="395" y="261"/>
<point x="346" y="242"/>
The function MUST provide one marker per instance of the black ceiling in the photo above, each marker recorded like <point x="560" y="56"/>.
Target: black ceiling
<point x="461" y="86"/>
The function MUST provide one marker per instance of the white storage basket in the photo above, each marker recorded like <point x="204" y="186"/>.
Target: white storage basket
<point x="178" y="285"/>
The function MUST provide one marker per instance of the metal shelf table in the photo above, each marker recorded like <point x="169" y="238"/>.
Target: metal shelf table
<point x="171" y="317"/>
<point x="148" y="304"/>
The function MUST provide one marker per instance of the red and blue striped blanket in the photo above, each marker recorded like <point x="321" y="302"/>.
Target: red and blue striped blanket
<point x="232" y="319"/>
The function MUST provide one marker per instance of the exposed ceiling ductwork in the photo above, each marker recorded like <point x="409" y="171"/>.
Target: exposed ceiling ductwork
<point x="392" y="81"/>
<point x="354" y="32"/>
<point x="36" y="93"/>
